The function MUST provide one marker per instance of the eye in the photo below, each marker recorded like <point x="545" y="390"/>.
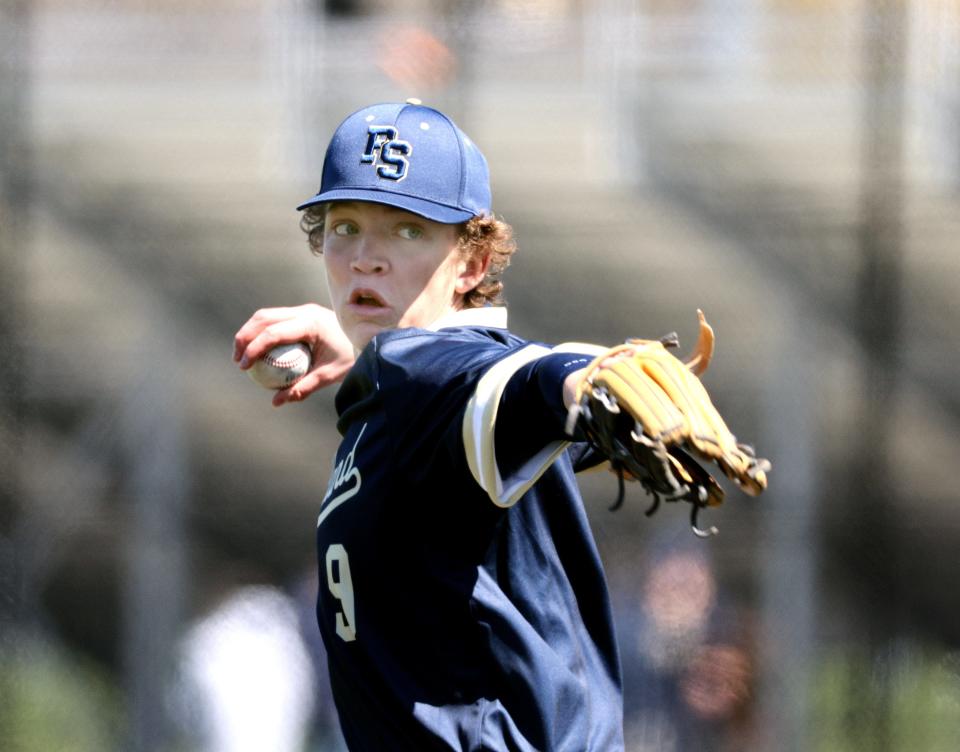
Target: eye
<point x="410" y="232"/>
<point x="344" y="228"/>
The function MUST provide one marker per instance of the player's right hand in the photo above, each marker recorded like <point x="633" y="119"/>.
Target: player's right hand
<point x="317" y="326"/>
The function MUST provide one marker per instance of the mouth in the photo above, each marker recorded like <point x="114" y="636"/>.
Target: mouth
<point x="366" y="299"/>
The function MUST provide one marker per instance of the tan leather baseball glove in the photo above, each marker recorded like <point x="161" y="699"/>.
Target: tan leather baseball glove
<point x="648" y="413"/>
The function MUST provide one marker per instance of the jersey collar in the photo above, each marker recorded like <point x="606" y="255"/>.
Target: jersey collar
<point x="493" y="317"/>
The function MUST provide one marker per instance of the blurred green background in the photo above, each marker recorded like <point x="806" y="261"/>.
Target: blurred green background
<point x="790" y="166"/>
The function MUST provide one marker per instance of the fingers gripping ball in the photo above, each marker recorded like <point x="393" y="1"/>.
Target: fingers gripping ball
<point x="282" y="366"/>
<point x="648" y="412"/>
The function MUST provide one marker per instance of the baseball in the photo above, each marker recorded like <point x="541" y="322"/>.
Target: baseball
<point x="282" y="366"/>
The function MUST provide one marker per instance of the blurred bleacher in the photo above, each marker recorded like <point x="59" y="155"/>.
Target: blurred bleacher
<point x="653" y="158"/>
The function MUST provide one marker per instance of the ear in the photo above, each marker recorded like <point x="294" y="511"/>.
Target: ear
<point x="471" y="273"/>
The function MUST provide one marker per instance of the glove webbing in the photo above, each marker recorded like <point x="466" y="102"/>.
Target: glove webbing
<point x="700" y="490"/>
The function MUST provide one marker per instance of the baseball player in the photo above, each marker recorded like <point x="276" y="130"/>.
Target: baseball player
<point x="462" y="600"/>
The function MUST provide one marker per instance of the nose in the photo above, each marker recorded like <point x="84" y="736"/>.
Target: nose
<point x="368" y="257"/>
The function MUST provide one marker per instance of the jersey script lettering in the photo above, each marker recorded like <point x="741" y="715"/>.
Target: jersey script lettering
<point x="344" y="474"/>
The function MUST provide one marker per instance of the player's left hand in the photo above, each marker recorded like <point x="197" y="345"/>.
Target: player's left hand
<point x="648" y="412"/>
<point x="333" y="353"/>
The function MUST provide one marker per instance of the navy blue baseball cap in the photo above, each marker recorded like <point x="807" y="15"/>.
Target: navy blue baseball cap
<point x="409" y="156"/>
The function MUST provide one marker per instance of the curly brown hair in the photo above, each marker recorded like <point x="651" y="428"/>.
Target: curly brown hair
<point x="477" y="237"/>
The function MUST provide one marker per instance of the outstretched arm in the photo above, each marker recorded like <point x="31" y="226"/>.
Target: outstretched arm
<point x="640" y="406"/>
<point x="332" y="353"/>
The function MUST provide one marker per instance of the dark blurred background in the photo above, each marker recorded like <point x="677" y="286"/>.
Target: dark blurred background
<point x="790" y="166"/>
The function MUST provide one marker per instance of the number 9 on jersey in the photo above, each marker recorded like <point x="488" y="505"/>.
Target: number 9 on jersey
<point x="341" y="586"/>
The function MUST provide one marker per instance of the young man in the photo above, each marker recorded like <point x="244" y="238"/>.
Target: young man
<point x="462" y="600"/>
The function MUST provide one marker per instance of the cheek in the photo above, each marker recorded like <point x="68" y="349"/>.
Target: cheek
<point x="335" y="271"/>
<point x="442" y="282"/>
<point x="426" y="274"/>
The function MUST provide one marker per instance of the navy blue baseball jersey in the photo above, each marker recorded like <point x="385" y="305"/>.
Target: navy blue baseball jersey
<point x="462" y="599"/>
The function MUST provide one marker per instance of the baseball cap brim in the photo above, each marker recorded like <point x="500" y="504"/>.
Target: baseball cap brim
<point x="429" y="209"/>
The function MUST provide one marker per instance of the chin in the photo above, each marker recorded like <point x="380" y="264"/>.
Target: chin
<point x="361" y="334"/>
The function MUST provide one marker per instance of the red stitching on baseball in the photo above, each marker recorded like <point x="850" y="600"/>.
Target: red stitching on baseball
<point x="294" y="358"/>
<point x="286" y="364"/>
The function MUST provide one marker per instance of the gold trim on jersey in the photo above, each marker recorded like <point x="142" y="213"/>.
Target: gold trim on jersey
<point x="480" y="421"/>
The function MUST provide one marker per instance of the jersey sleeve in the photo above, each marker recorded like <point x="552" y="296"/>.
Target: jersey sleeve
<point x="422" y="382"/>
<point x="514" y="423"/>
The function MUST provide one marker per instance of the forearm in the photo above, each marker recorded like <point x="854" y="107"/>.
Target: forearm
<point x="534" y="405"/>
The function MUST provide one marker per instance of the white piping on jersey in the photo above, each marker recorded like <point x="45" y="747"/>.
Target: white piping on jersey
<point x="494" y="317"/>
<point x="480" y="421"/>
<point x="343" y="472"/>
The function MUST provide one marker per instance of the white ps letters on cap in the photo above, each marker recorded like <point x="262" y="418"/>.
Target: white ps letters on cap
<point x="387" y="152"/>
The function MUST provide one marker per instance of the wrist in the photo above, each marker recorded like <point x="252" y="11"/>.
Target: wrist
<point x="570" y="384"/>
